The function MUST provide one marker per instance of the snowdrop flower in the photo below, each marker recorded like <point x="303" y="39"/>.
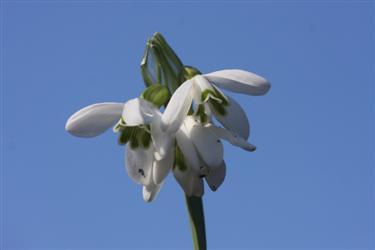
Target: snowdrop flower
<point x="191" y="144"/>
<point x="203" y="90"/>
<point x="149" y="156"/>
<point x="198" y="139"/>
<point x="200" y="154"/>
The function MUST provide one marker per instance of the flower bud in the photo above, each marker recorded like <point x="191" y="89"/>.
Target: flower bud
<point x="156" y="94"/>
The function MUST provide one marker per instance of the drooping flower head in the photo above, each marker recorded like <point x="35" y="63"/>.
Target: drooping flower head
<point x="190" y="112"/>
<point x="148" y="150"/>
<point x="184" y="138"/>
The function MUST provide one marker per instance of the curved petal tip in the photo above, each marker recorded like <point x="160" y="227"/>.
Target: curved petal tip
<point x="93" y="120"/>
<point x="240" y="81"/>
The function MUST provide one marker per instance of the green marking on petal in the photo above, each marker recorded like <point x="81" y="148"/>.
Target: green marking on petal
<point x="119" y="125"/>
<point x="214" y="95"/>
<point x="134" y="143"/>
<point x="144" y="138"/>
<point x="125" y="135"/>
<point x="219" y="107"/>
<point x="221" y="96"/>
<point x="146" y="127"/>
<point x="180" y="160"/>
<point x="217" y="100"/>
<point x="137" y="137"/>
<point x="202" y="114"/>
<point x="207" y="93"/>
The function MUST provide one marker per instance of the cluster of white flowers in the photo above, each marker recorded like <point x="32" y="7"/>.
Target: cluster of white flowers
<point x="183" y="138"/>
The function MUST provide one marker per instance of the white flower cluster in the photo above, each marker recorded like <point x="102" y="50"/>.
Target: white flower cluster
<point x="183" y="138"/>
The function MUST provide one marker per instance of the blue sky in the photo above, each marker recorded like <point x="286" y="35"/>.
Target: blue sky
<point x="309" y="185"/>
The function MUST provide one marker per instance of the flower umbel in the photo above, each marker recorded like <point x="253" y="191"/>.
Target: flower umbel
<point x="184" y="137"/>
<point x="171" y="126"/>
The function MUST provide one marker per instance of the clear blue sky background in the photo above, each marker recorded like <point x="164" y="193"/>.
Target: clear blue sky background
<point x="309" y="185"/>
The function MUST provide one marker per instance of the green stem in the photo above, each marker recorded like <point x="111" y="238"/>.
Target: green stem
<point x="196" y="215"/>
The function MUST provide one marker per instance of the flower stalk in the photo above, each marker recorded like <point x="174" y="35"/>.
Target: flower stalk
<point x="196" y="214"/>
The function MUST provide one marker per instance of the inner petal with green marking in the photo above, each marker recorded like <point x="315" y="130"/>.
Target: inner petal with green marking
<point x="137" y="136"/>
<point x="216" y="99"/>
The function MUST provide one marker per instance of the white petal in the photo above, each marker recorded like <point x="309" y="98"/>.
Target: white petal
<point x="161" y="168"/>
<point x="188" y="149"/>
<point x="208" y="145"/>
<point x="138" y="111"/>
<point x="240" y="81"/>
<point x="235" y="118"/>
<point x="216" y="177"/>
<point x="150" y="192"/>
<point x="202" y="83"/>
<point x="196" y="93"/>
<point x="94" y="119"/>
<point x="177" y="108"/>
<point x="139" y="164"/>
<point x="161" y="140"/>
<point x="190" y="182"/>
<point x="231" y="137"/>
<point x="208" y="111"/>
